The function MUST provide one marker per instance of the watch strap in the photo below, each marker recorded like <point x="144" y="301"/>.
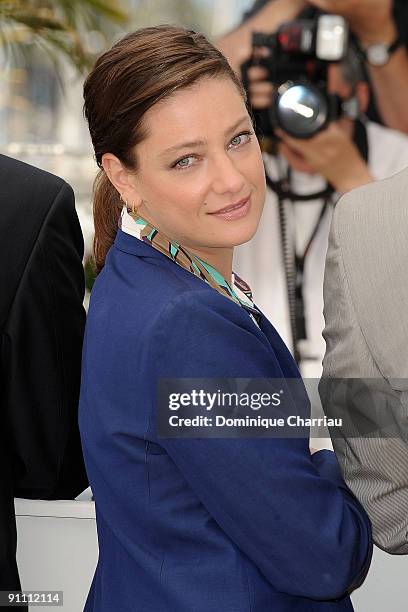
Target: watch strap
<point x="389" y="49"/>
<point x="394" y="45"/>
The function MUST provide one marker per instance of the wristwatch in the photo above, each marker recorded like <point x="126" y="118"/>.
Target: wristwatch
<point x="379" y="54"/>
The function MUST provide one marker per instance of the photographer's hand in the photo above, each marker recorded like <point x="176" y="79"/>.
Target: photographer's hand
<point x="330" y="153"/>
<point x="372" y="22"/>
<point x="260" y="90"/>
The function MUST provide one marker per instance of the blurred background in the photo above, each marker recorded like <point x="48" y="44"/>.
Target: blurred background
<point x="46" y="50"/>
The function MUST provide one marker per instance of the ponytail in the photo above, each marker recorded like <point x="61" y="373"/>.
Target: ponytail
<point x="107" y="208"/>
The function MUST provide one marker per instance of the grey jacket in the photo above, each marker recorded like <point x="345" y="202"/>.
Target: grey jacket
<point x="365" y="369"/>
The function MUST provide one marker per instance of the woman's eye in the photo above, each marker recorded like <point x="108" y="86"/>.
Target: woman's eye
<point x="241" y="139"/>
<point x="237" y="141"/>
<point x="181" y="163"/>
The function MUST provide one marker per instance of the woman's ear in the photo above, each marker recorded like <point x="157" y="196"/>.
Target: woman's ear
<point x="119" y="177"/>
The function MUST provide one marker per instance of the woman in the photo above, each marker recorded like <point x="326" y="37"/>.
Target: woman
<point x="210" y="525"/>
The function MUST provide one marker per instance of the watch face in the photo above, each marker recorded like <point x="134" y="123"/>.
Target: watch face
<point x="377" y="55"/>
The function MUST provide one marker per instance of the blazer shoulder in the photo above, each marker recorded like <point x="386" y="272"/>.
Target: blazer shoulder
<point x="371" y="204"/>
<point x="17" y="170"/>
<point x="28" y="195"/>
<point x="369" y="245"/>
<point x="154" y="296"/>
<point x="33" y="202"/>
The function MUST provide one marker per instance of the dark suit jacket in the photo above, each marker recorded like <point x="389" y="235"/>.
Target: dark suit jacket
<point x="203" y="524"/>
<point x="41" y="323"/>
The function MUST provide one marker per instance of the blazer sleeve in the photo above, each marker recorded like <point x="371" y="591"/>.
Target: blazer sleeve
<point x="41" y="360"/>
<point x="371" y="446"/>
<point x="288" y="511"/>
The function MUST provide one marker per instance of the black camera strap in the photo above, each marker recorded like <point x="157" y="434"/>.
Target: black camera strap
<point x="282" y="188"/>
<point x="294" y="264"/>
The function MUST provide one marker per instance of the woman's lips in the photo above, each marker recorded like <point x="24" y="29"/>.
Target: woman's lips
<point x="237" y="212"/>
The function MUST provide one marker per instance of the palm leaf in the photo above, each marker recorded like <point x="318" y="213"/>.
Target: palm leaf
<point x="59" y="27"/>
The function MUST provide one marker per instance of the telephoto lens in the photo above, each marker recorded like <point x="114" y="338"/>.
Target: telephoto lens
<point x="300" y="109"/>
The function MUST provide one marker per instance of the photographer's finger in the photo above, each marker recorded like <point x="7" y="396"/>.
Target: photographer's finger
<point x="262" y="88"/>
<point x="260" y="52"/>
<point x="260" y="94"/>
<point x="257" y="73"/>
<point x="260" y="102"/>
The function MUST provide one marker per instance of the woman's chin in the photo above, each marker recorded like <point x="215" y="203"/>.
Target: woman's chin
<point x="246" y="233"/>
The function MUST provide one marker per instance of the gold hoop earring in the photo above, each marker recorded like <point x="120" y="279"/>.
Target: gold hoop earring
<point x="135" y="208"/>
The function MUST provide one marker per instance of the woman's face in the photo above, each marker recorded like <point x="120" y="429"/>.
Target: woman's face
<point x="200" y="155"/>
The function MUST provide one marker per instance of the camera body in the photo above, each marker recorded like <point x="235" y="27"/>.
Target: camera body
<point x="300" y="53"/>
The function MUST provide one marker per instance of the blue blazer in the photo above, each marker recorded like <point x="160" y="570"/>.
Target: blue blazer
<point x="201" y="525"/>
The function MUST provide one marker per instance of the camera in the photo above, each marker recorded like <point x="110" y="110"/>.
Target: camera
<point x="300" y="53"/>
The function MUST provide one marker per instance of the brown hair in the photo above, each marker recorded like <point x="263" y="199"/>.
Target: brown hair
<point x="127" y="80"/>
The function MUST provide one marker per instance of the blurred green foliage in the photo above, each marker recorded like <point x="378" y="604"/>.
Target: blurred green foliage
<point x="90" y="272"/>
<point x="61" y="28"/>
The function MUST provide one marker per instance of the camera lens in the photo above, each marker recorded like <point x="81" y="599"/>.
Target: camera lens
<point x="300" y="110"/>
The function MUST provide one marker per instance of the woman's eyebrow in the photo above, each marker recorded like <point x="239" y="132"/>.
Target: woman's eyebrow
<point x="198" y="143"/>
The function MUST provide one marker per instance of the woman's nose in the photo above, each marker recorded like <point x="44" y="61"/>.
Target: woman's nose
<point x="226" y="177"/>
